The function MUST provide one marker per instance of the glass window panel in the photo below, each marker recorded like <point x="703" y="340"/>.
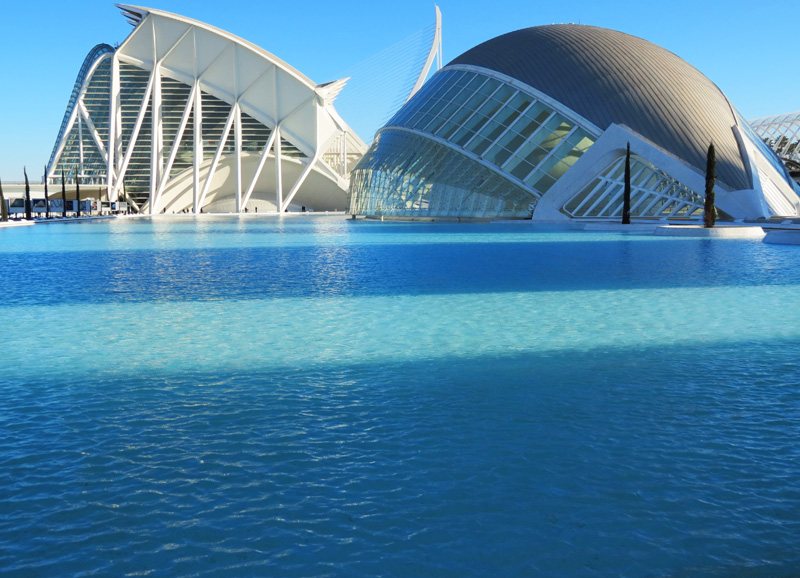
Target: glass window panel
<point x="532" y="119"/>
<point x="557" y="171"/>
<point x="500" y="155"/>
<point x="575" y="201"/>
<point x="520" y="102"/>
<point x="507" y="116"/>
<point x="448" y="110"/>
<point x="504" y="93"/>
<point x="512" y="141"/>
<point x="475" y="101"/>
<point x="447" y="129"/>
<point x="549" y="164"/>
<point x="434" y="125"/>
<point x="458" y="118"/>
<point x="475" y="81"/>
<point x="541" y="181"/>
<point x="458" y="77"/>
<point x="536" y="156"/>
<point x="489" y="107"/>
<point x="475" y="122"/>
<point x="489" y="87"/>
<point x="522" y="170"/>
<point x="452" y="92"/>
<point x="479" y="145"/>
<point x="463" y="96"/>
<point x="462" y="136"/>
<point x="493" y="130"/>
<point x="641" y="176"/>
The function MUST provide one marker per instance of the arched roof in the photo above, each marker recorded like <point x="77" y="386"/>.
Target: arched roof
<point x="611" y="77"/>
<point x="235" y="70"/>
<point x="88" y="62"/>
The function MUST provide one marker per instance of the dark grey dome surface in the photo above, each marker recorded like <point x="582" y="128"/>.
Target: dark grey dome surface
<point x="610" y="77"/>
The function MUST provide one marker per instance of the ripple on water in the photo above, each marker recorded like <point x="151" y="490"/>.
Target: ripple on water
<point x="479" y="417"/>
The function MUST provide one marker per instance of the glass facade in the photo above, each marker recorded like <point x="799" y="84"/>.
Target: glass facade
<point x="408" y="175"/>
<point x="483" y="118"/>
<point x="81" y="153"/>
<point x="654" y="195"/>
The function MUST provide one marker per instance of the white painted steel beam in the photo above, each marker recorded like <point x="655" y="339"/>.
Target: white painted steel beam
<point x="217" y="155"/>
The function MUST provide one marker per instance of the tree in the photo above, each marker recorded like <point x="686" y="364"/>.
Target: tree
<point x="46" y="198"/>
<point x="626" y="199"/>
<point x="3" y="207"/>
<point x="63" y="195"/>
<point x="28" y="214"/>
<point x="709" y="212"/>
<point x="78" y="191"/>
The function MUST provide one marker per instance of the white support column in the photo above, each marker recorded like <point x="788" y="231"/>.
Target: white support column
<point x="300" y="181"/>
<point x="113" y="127"/>
<point x="157" y="144"/>
<point x="344" y="154"/>
<point x="278" y="171"/>
<point x="261" y="162"/>
<point x="198" y="146"/>
<point x="176" y="145"/>
<point x="217" y="155"/>
<point x="93" y="131"/>
<point x="134" y="135"/>
<point x="238" y="154"/>
<point x="80" y="144"/>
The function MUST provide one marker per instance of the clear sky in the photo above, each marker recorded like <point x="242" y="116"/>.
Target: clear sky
<point x="748" y="48"/>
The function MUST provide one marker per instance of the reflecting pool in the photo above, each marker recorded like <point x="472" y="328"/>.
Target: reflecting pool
<point x="314" y="396"/>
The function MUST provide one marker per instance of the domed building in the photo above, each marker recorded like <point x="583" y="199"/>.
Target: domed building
<point x="535" y="123"/>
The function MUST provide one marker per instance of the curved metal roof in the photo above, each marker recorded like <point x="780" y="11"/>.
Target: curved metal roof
<point x="87" y="66"/>
<point x="611" y="77"/>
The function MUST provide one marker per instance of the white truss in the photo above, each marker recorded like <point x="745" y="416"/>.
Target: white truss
<point x="781" y="133"/>
<point x="241" y="79"/>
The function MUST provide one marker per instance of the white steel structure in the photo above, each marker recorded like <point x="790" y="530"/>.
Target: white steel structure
<point x="434" y="54"/>
<point x="186" y="117"/>
<point x="782" y="134"/>
<point x="535" y="124"/>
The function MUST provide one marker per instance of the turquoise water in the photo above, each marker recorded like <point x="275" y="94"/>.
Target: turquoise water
<point x="312" y="396"/>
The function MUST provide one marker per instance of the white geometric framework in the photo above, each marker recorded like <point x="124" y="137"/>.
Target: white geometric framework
<point x="186" y="116"/>
<point x="654" y="194"/>
<point x="537" y="122"/>
<point x="781" y="133"/>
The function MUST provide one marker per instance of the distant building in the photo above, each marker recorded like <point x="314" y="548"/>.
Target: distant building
<point x="184" y="116"/>
<point x="782" y="134"/>
<point x="535" y="123"/>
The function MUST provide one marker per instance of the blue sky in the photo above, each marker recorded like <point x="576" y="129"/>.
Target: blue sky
<point x="745" y="47"/>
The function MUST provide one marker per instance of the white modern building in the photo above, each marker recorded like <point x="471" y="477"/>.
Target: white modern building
<point x="535" y="123"/>
<point x="183" y="116"/>
<point x="782" y="134"/>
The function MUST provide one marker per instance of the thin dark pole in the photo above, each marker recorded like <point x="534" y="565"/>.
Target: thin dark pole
<point x="709" y="213"/>
<point x="46" y="198"/>
<point x="78" y="191"/>
<point x="3" y="207"/>
<point x="626" y="199"/>
<point x="63" y="195"/>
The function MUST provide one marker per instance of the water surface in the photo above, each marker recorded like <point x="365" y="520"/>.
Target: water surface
<point x="312" y="396"/>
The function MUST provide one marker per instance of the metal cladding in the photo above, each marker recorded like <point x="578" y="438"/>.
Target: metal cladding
<point x="611" y="77"/>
